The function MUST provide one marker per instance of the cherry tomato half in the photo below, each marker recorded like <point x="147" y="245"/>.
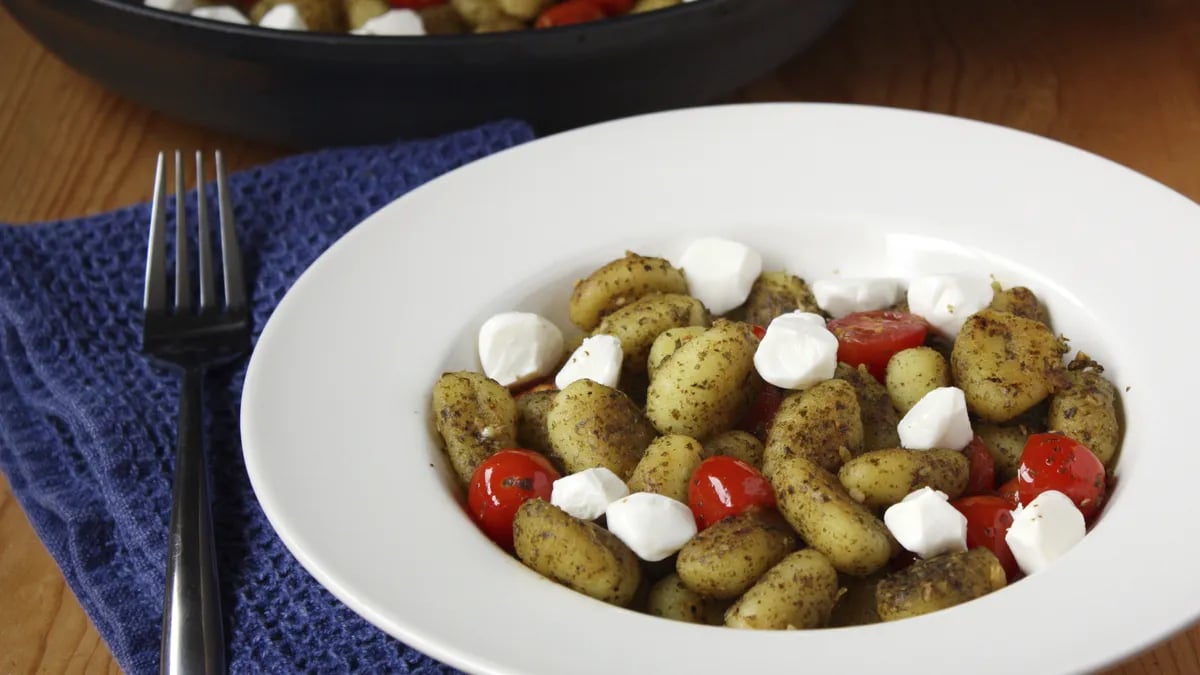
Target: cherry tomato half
<point x="613" y="7"/>
<point x="758" y="418"/>
<point x="983" y="468"/>
<point x="1058" y="462"/>
<point x="723" y="486"/>
<point x="988" y="520"/>
<point x="501" y="484"/>
<point x="569" y="12"/>
<point x="415" y="4"/>
<point x="872" y="338"/>
<point x="1010" y="492"/>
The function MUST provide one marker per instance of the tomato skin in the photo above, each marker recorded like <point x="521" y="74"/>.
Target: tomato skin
<point x="501" y="484"/>
<point x="872" y="338"/>
<point x="983" y="468"/>
<point x="723" y="486"/>
<point x="613" y="7"/>
<point x="568" y="13"/>
<point x="415" y="4"/>
<point x="761" y="414"/>
<point x="1010" y="492"/>
<point x="988" y="519"/>
<point x="1058" y="462"/>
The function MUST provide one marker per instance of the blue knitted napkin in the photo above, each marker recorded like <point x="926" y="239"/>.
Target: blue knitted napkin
<point x="87" y="425"/>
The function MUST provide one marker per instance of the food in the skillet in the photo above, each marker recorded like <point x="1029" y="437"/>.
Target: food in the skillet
<point x="409" y="17"/>
<point x="865" y="451"/>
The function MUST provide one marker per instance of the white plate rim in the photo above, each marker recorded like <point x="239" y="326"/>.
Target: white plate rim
<point x="259" y="469"/>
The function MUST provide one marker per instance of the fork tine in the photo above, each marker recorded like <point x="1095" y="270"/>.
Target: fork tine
<point x="231" y="254"/>
<point x="208" y="298"/>
<point x="183" y="276"/>
<point x="155" y="297"/>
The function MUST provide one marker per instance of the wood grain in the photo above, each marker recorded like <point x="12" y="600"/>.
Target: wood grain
<point x="1115" y="77"/>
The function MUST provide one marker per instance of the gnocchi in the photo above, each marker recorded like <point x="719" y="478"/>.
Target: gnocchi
<point x="800" y="498"/>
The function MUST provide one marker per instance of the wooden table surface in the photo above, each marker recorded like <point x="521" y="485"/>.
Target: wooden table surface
<point x="1117" y="77"/>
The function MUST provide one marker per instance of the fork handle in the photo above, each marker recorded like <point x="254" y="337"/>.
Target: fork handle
<point x="192" y="636"/>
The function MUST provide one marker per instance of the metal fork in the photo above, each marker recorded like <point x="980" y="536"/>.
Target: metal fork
<point x="191" y="338"/>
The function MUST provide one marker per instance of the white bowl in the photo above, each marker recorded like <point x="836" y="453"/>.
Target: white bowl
<point x="335" y="417"/>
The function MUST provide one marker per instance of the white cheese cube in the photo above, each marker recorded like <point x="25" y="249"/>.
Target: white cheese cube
<point x="947" y="300"/>
<point x="283" y="17"/>
<point x="516" y="347"/>
<point x="840" y="297"/>
<point x="797" y="352"/>
<point x="587" y="494"/>
<point x="1043" y="530"/>
<point x="598" y="358"/>
<point x="938" y="420"/>
<point x="183" y="6"/>
<point x="221" y="13"/>
<point x="393" y="22"/>
<point x="720" y="272"/>
<point x="925" y="523"/>
<point x="651" y="525"/>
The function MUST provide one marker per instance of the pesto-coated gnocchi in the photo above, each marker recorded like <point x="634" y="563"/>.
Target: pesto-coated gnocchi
<point x="475" y="417"/>
<point x="846" y="504"/>
<point x="707" y="384"/>
<point x="591" y="425"/>
<point x="822" y="424"/>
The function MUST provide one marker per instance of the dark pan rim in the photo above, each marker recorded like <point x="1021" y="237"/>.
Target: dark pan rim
<point x="663" y="20"/>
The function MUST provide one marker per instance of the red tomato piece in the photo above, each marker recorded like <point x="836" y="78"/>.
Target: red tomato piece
<point x="501" y="484"/>
<point x="613" y="7"/>
<point x="1010" y="492"/>
<point x="759" y="331"/>
<point x="983" y="468"/>
<point x="723" y="486"/>
<point x="416" y="4"/>
<point x="568" y="13"/>
<point x="1058" y="462"/>
<point x="988" y="519"/>
<point x="872" y="338"/>
<point x="758" y="419"/>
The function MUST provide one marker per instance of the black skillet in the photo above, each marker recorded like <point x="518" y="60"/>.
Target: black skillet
<point x="315" y="89"/>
